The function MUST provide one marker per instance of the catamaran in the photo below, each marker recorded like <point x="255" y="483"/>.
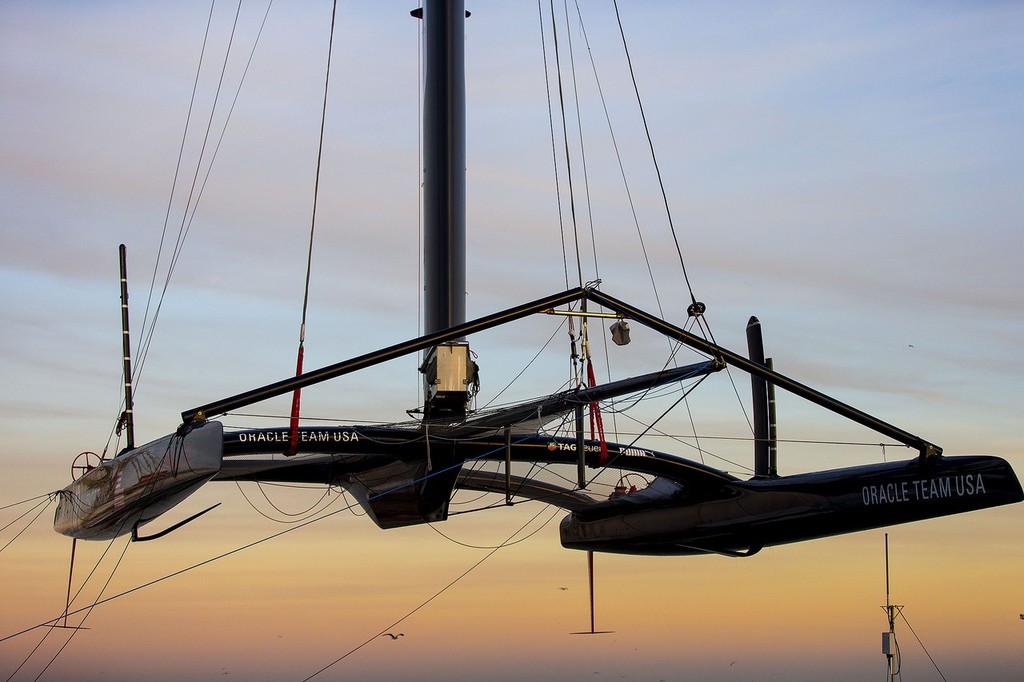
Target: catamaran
<point x="539" y="449"/>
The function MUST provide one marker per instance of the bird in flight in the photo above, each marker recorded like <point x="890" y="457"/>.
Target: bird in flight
<point x="388" y="634"/>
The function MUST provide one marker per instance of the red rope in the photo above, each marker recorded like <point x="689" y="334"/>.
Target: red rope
<point x="595" y="418"/>
<point x="293" y="440"/>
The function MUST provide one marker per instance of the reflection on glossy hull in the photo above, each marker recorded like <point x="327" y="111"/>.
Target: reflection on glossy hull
<point x="746" y="516"/>
<point x="137" y="486"/>
<point x="688" y="508"/>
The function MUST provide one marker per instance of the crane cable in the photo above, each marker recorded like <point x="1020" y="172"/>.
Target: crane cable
<point x="565" y="141"/>
<point x="696" y="308"/>
<point x="197" y="188"/>
<point x="293" y="438"/>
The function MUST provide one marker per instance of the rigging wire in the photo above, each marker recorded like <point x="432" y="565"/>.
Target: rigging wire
<point x="934" y="664"/>
<point x="176" y="453"/>
<point x="88" y="612"/>
<point x="689" y="410"/>
<point x="67" y="612"/>
<point x="526" y="367"/>
<point x="187" y="217"/>
<point x="254" y="543"/>
<point x="565" y="143"/>
<point x="507" y="543"/>
<point x="354" y="506"/>
<point x="300" y="516"/>
<point x="296" y="397"/>
<point x="595" y="410"/>
<point x="667" y="410"/>
<point x="168" y="576"/>
<point x="26" y="501"/>
<point x="186" y="223"/>
<point x="44" y="504"/>
<point x="649" y="429"/>
<point x="611" y="462"/>
<point x="696" y="309"/>
<point x="583" y="148"/>
<point x="191" y="206"/>
<point x="554" y="142"/>
<point x="695" y="306"/>
<point x="423" y="604"/>
<point x="174" y="185"/>
<point x="618" y="157"/>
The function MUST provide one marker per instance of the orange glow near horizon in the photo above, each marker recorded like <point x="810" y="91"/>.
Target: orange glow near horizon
<point x="848" y="172"/>
<point x="296" y="603"/>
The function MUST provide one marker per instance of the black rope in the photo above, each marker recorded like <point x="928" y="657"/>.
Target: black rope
<point x="554" y="146"/>
<point x="583" y="147"/>
<point x="526" y="367"/>
<point x="565" y="144"/>
<point x="249" y="545"/>
<point x="649" y="429"/>
<point x="696" y="307"/>
<point x="300" y="516"/>
<point x="428" y="600"/>
<point x="64" y="615"/>
<point x="87" y="613"/>
<point x="316" y="182"/>
<point x="174" y="185"/>
<point x="44" y="504"/>
<point x="191" y="206"/>
<point x="507" y="543"/>
<point x="31" y="499"/>
<point x="618" y="158"/>
<point x="186" y="222"/>
<point x="934" y="664"/>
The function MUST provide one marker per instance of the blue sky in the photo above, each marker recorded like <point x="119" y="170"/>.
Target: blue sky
<point x="848" y="172"/>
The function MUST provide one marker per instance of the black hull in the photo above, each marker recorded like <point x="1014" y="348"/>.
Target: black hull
<point x="760" y="513"/>
<point x="702" y="510"/>
<point x="387" y="469"/>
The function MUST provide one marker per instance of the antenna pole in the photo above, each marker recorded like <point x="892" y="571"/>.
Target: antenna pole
<point x="889" y="646"/>
<point x="889" y="612"/>
<point x="127" y="418"/>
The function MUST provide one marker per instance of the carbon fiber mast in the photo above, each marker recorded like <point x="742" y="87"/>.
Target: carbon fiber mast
<point x="447" y="369"/>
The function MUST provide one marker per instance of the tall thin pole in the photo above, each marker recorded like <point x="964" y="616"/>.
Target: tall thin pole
<point x="126" y="346"/>
<point x="888" y="609"/>
<point x="773" y="431"/>
<point x="590" y="575"/>
<point x="444" y="165"/>
<point x="71" y="573"/>
<point x="759" y="393"/>
<point x="891" y="648"/>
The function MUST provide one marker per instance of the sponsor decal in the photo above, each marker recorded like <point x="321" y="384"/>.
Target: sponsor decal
<point x="923" y="490"/>
<point x="304" y="437"/>
<point x="571" y="447"/>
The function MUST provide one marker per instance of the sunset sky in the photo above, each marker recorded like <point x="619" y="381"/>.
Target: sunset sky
<point x="850" y="173"/>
